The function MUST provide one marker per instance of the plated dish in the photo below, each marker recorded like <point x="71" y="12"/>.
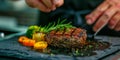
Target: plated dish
<point x="61" y="38"/>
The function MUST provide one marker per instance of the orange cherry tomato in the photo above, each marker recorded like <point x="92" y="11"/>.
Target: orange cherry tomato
<point x="26" y="41"/>
<point x="22" y="38"/>
<point x="31" y="42"/>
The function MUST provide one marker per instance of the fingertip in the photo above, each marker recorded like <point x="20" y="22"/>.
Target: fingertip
<point x="111" y="24"/>
<point x="110" y="27"/>
<point x="89" y="21"/>
<point x="58" y="3"/>
<point x="46" y="11"/>
<point x="30" y="3"/>
<point x="53" y="8"/>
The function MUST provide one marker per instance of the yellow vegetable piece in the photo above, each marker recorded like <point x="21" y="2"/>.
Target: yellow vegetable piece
<point x="40" y="45"/>
<point x="38" y="37"/>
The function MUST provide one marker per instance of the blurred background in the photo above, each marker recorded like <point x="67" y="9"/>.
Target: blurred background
<point x="16" y="16"/>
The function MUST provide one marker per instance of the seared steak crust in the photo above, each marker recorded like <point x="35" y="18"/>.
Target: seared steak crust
<point x="67" y="38"/>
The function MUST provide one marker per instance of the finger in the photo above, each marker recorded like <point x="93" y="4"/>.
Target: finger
<point x="105" y="18"/>
<point x="29" y="3"/>
<point x="113" y="2"/>
<point x="53" y="8"/>
<point x="58" y="3"/>
<point x="47" y="3"/>
<point x="38" y="4"/>
<point x="117" y="27"/>
<point x="114" y="20"/>
<point x="92" y="17"/>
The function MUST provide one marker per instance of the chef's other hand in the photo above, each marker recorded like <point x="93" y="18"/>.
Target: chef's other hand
<point x="45" y="5"/>
<point x="106" y="13"/>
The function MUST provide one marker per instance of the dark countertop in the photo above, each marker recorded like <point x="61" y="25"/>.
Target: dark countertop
<point x="10" y="49"/>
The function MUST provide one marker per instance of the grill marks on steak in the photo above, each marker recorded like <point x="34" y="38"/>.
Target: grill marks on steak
<point x="63" y="32"/>
<point x="68" y="38"/>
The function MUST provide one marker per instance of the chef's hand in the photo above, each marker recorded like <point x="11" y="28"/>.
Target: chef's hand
<point x="45" y="5"/>
<point x="107" y="13"/>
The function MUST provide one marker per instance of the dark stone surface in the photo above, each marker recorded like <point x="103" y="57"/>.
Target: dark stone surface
<point x="10" y="49"/>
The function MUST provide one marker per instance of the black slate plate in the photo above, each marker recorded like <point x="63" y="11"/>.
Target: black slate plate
<point x="10" y="48"/>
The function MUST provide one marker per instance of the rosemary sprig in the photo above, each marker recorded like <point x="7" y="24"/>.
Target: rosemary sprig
<point x="60" y="25"/>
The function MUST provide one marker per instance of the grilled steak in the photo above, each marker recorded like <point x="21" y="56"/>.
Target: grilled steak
<point x="67" y="38"/>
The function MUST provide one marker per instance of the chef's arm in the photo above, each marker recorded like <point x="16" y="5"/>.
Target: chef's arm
<point x="45" y="5"/>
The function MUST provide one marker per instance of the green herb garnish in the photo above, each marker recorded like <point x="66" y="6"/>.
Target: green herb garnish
<point x="60" y="25"/>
